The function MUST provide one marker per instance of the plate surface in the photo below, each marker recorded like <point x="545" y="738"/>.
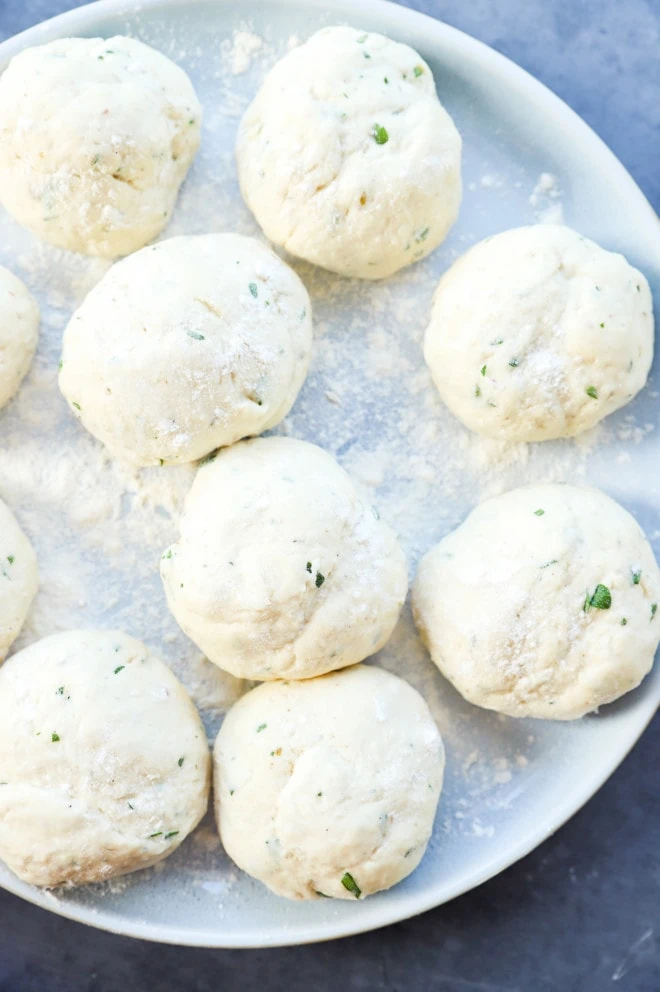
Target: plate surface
<point x="99" y="527"/>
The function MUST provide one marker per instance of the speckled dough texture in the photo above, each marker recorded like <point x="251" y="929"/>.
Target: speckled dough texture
<point x="538" y="333"/>
<point x="282" y="570"/>
<point x="104" y="762"/>
<point x="186" y="346"/>
<point x="96" y="136"/>
<point x="19" y="333"/>
<point x="328" y="787"/>
<point x="19" y="578"/>
<point x="346" y="156"/>
<point x="543" y="603"/>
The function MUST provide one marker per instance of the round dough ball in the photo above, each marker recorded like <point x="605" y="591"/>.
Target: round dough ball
<point x="543" y="603"/>
<point x="103" y="759"/>
<point x="328" y="787"/>
<point x="19" y="578"/>
<point x="186" y="346"/>
<point x="96" y="136"/>
<point x="347" y="158"/>
<point x="19" y="333"/>
<point x="537" y="333"/>
<point x="281" y="570"/>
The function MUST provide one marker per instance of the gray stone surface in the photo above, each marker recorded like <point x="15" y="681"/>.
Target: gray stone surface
<point x="580" y="914"/>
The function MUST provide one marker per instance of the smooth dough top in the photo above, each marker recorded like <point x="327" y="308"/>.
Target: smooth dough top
<point x="281" y="569"/>
<point x="538" y="333"/>
<point x="346" y="156"/>
<point x="96" y="137"/>
<point x="328" y="787"/>
<point x="19" y="578"/>
<point x="19" y="333"/>
<point x="104" y="763"/>
<point x="543" y="603"/>
<point x="188" y="345"/>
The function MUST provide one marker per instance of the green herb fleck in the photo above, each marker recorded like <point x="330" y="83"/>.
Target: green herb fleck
<point x="131" y="806"/>
<point x="422" y="236"/>
<point x="11" y="559"/>
<point x="320" y="579"/>
<point x="539" y="513"/>
<point x="366" y="55"/>
<point x="379" y="134"/>
<point x="496" y="342"/>
<point x="548" y="563"/>
<point x="361" y="40"/>
<point x="96" y="159"/>
<point x="349" y="883"/>
<point x="601" y="599"/>
<point x="303" y="313"/>
<point x="191" y="122"/>
<point x="483" y="369"/>
<point x="514" y="363"/>
<point x="181" y="761"/>
<point x="654" y="610"/>
<point x="168" y="553"/>
<point x="262" y="726"/>
<point x="418" y="71"/>
<point x="171" y="833"/>
<point x="623" y="621"/>
<point x="319" y="794"/>
<point x="477" y="391"/>
<point x="636" y="576"/>
<point x="54" y="737"/>
<point x="232" y="791"/>
<point x="385" y="80"/>
<point x="77" y="405"/>
<point x="601" y="325"/>
<point x="309" y="566"/>
<point x="196" y="335"/>
<point x="60" y="690"/>
<point x="638" y="288"/>
<point x="253" y="289"/>
<point x="119" y="668"/>
<point x="157" y="834"/>
<point x="592" y="391"/>
<point x="322" y="894"/>
<point x="59" y="367"/>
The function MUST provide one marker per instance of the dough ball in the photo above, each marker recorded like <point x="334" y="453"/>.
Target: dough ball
<point x="281" y="570"/>
<point x="19" y="333"/>
<point x="347" y="158"/>
<point x="96" y="136"/>
<point x="103" y="759"/>
<point x="19" y="579"/>
<point x="537" y="333"/>
<point x="543" y="603"/>
<point x="186" y="346"/>
<point x="328" y="787"/>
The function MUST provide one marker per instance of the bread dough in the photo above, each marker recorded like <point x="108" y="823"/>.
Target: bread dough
<point x="104" y="762"/>
<point x="346" y="156"/>
<point x="187" y="345"/>
<point x="96" y="136"/>
<point x="19" y="578"/>
<point x="543" y="603"/>
<point x="537" y="333"/>
<point x="19" y="333"/>
<point x="328" y="787"/>
<point x="281" y="570"/>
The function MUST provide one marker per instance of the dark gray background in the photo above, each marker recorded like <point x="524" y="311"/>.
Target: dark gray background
<point x="580" y="914"/>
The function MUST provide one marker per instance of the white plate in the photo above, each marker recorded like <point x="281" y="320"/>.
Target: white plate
<point x="509" y="784"/>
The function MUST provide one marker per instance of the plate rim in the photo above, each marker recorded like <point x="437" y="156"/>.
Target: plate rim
<point x="81" y="19"/>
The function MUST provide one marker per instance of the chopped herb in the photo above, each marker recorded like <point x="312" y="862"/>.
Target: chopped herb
<point x="276" y="753"/>
<point x="172" y="833"/>
<point x="349" y="883"/>
<point x="196" y="335"/>
<point x="119" y="668"/>
<point x="168" y="553"/>
<point x="322" y="894"/>
<point x="547" y="564"/>
<point x="483" y="369"/>
<point x="379" y="134"/>
<point x="539" y="513"/>
<point x="60" y="690"/>
<point x="59" y="367"/>
<point x="191" y="122"/>
<point x="320" y="579"/>
<point x="514" y="363"/>
<point x="366" y="55"/>
<point x="157" y="834"/>
<point x="386" y="81"/>
<point x="11" y="559"/>
<point x="303" y="313"/>
<point x="418" y="71"/>
<point x="623" y="621"/>
<point x="253" y="289"/>
<point x="309" y="566"/>
<point x="477" y="391"/>
<point x="601" y="599"/>
<point x="601" y="325"/>
<point x="77" y="406"/>
<point x="131" y="806"/>
<point x="636" y="576"/>
<point x="319" y="794"/>
<point x="54" y="738"/>
<point x="162" y="462"/>
<point x="97" y="158"/>
<point x="638" y="289"/>
<point x="654" y="610"/>
<point x="496" y="342"/>
<point x="232" y="791"/>
<point x="592" y="391"/>
<point x="262" y="726"/>
<point x="422" y="236"/>
<point x="181" y="761"/>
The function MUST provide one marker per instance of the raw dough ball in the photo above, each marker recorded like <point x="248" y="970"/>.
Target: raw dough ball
<point x="347" y="158"/>
<point x="188" y="345"/>
<point x="328" y="786"/>
<point x="19" y="332"/>
<point x="542" y="603"/>
<point x="103" y="759"/>
<point x="96" y="137"/>
<point x="281" y="570"/>
<point x="538" y="333"/>
<point x="19" y="579"/>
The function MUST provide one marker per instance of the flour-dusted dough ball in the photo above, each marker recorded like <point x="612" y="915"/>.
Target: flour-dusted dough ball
<point x="281" y="569"/>
<point x="104" y="762"/>
<point x="328" y="787"/>
<point x="347" y="158"/>
<point x="96" y="136"/>
<point x="543" y="603"/>
<point x="186" y="346"/>
<point x="538" y="333"/>
<point x="19" y="332"/>
<point x="19" y="578"/>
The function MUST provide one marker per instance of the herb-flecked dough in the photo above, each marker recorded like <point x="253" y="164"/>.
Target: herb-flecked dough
<point x="328" y="787"/>
<point x="19" y="578"/>
<point x="19" y="333"/>
<point x="347" y="158"/>
<point x="96" y="136"/>
<point x="542" y="603"/>
<point x="104" y="763"/>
